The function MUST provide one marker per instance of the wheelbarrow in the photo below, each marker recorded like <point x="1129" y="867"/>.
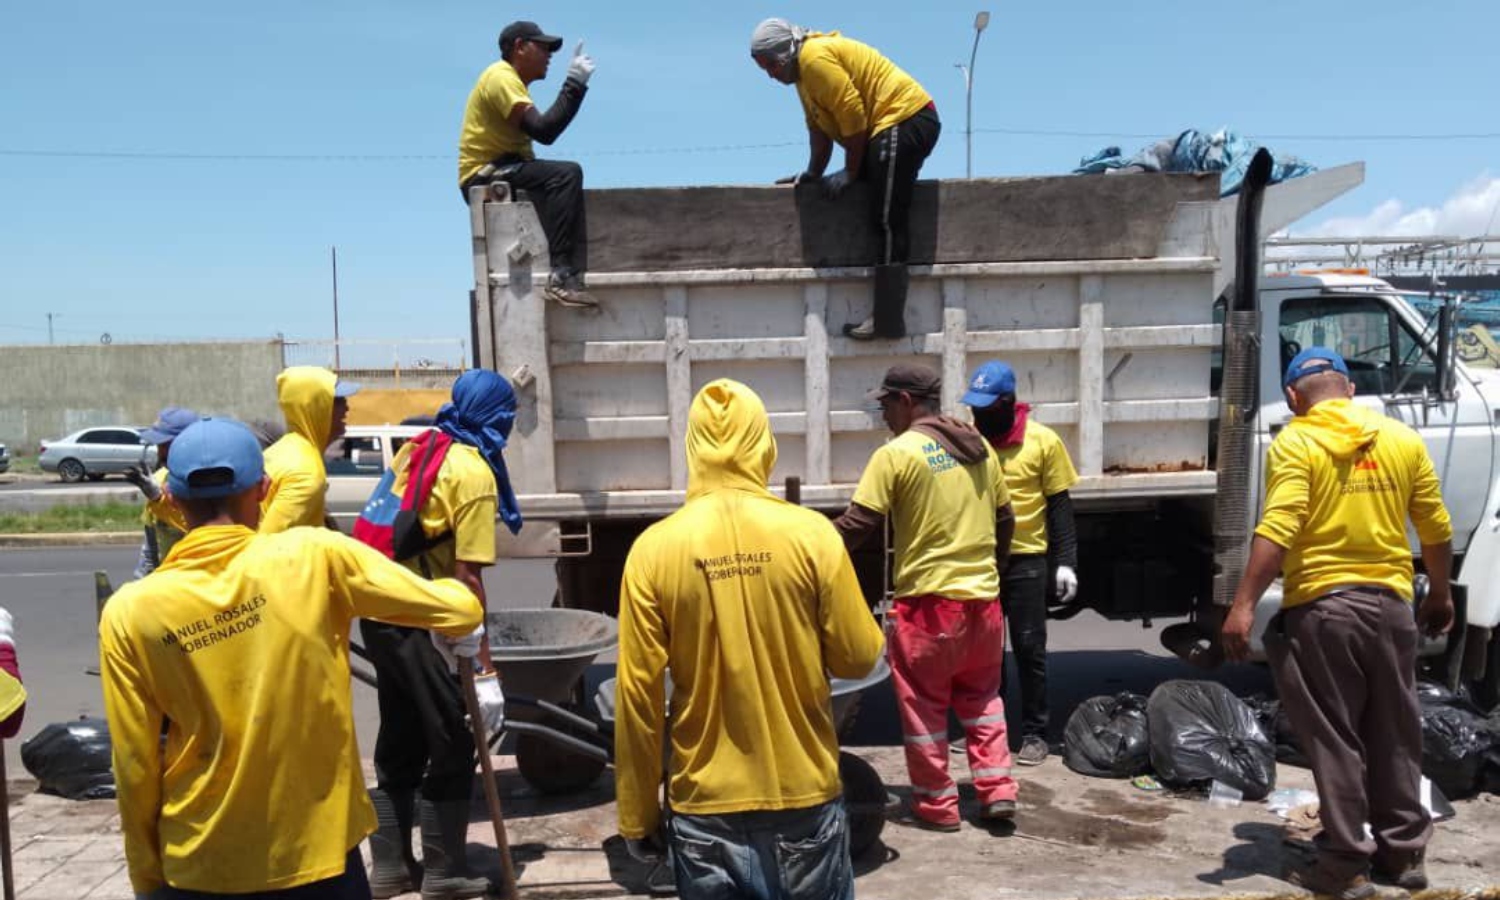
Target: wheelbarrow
<point x="541" y="654"/>
<point x="865" y="796"/>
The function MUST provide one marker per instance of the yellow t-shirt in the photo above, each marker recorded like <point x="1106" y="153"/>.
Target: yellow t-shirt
<point x="241" y="642"/>
<point x="462" y="505"/>
<point x="943" y="513"/>
<point x="752" y="603"/>
<point x="487" y="132"/>
<point x="1340" y="484"/>
<point x="1035" y="469"/>
<point x="848" y="88"/>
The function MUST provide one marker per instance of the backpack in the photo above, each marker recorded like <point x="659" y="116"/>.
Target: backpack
<point x="392" y="524"/>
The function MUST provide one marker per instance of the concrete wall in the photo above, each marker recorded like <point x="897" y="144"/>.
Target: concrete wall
<point x="49" y="391"/>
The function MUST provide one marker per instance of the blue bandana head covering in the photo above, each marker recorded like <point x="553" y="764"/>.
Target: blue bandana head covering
<point x="481" y="415"/>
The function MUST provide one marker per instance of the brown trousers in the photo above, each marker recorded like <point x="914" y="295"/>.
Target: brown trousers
<point x="1345" y="667"/>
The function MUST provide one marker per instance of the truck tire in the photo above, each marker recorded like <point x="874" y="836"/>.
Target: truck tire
<point x="866" y="800"/>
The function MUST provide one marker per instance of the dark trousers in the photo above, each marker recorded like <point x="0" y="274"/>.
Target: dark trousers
<point x="424" y="740"/>
<point x="352" y="885"/>
<point x="1023" y="596"/>
<point x="555" y="187"/>
<point x="1345" y="667"/>
<point x="892" y="161"/>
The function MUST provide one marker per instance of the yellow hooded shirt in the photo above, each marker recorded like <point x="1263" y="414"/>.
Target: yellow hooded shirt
<point x="752" y="602"/>
<point x="1340" y="484"/>
<point x="299" y="480"/>
<point x="240" y="641"/>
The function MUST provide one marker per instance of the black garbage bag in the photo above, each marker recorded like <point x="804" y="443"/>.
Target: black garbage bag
<point x="1200" y="732"/>
<point x="1455" y="744"/>
<point x="71" y="759"/>
<point x="1106" y="737"/>
<point x="1278" y="727"/>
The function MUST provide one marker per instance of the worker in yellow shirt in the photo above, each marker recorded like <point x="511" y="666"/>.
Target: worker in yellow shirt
<point x="1038" y="474"/>
<point x="315" y="404"/>
<point x="161" y="520"/>
<point x="456" y="478"/>
<point x="943" y="489"/>
<point x="239" y="643"/>
<point x="751" y="603"/>
<point x="1341" y="482"/>
<point x="501" y="121"/>
<point x="885" y="121"/>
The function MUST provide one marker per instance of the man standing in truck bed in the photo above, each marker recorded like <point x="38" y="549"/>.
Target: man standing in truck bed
<point x="943" y="488"/>
<point x="501" y="121"/>
<point x="1341" y="482"/>
<point x="886" y="123"/>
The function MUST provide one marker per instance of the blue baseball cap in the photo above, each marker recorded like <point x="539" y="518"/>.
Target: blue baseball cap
<point x="169" y="423"/>
<point x="214" y="458"/>
<point x="343" y="388"/>
<point x="1313" y="361"/>
<point x="990" y="382"/>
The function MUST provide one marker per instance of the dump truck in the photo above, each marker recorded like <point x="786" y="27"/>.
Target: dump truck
<point x="1125" y="304"/>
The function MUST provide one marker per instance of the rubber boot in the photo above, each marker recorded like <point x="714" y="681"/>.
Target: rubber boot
<point x="889" y="320"/>
<point x="445" y="837"/>
<point x="395" y="870"/>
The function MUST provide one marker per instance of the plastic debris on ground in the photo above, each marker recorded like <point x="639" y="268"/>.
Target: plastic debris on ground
<point x="1456" y="741"/>
<point x="1284" y="800"/>
<point x="1146" y="783"/>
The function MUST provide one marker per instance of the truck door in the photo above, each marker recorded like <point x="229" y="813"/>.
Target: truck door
<point x="1393" y="372"/>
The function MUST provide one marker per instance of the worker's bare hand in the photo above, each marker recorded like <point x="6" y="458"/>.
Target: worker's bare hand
<point x="1234" y="637"/>
<point x="1435" y="615"/>
<point x="835" y="184"/>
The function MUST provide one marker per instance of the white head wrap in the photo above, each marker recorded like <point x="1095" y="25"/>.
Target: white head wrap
<point x="778" y="38"/>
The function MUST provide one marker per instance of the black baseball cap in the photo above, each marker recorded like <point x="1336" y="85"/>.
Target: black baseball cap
<point x="528" y="31"/>
<point x="911" y="378"/>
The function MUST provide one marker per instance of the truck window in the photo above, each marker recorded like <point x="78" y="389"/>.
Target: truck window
<point x="1385" y="357"/>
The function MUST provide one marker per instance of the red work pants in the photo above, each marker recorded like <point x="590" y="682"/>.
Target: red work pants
<point x="948" y="654"/>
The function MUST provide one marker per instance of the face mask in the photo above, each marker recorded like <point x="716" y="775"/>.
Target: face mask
<point x="997" y="420"/>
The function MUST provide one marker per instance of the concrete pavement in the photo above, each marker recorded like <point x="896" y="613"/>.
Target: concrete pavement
<point x="1074" y="837"/>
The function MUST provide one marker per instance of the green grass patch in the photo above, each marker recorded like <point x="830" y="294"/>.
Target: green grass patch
<point x="24" y="464"/>
<point x="67" y="518"/>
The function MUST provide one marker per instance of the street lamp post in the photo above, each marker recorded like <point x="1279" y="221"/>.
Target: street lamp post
<point x="981" y="21"/>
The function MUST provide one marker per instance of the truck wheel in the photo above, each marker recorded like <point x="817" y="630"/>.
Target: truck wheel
<point x="71" y="471"/>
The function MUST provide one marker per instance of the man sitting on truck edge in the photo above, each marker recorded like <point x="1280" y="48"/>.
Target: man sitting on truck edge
<point x="943" y="488"/>
<point x="885" y="121"/>
<point x="239" y="642"/>
<point x="501" y="121"/>
<point x="1038" y="474"/>
<point x="315" y="404"/>
<point x="752" y="603"/>
<point x="1341" y="482"/>
<point x="424" y="742"/>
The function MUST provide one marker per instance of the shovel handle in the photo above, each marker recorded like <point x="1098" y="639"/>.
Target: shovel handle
<point x="487" y="773"/>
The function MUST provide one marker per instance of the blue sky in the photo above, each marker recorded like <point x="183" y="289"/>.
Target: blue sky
<point x="225" y="247"/>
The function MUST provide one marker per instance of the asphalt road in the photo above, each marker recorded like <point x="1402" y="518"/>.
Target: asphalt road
<point x="50" y="592"/>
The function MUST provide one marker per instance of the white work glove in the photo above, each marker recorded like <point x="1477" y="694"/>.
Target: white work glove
<point x="7" y="628"/>
<point x="1067" y="583"/>
<point x="452" y="648"/>
<point x="491" y="702"/>
<point x="649" y="849"/>
<point x="582" y="66"/>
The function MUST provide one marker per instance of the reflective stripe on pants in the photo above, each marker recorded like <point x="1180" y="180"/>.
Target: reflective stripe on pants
<point x="947" y="654"/>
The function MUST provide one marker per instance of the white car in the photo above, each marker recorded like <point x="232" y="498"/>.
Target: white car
<point x="355" y="463"/>
<point x="93" y="453"/>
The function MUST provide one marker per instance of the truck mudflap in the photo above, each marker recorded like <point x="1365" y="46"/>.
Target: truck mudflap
<point x="1481" y="566"/>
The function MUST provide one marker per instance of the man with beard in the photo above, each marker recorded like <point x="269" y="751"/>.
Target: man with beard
<point x="1038" y="474"/>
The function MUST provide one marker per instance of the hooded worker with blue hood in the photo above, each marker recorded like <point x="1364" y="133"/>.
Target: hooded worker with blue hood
<point x="1342" y="480"/>
<point x="315" y="404"/>
<point x="752" y="603"/>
